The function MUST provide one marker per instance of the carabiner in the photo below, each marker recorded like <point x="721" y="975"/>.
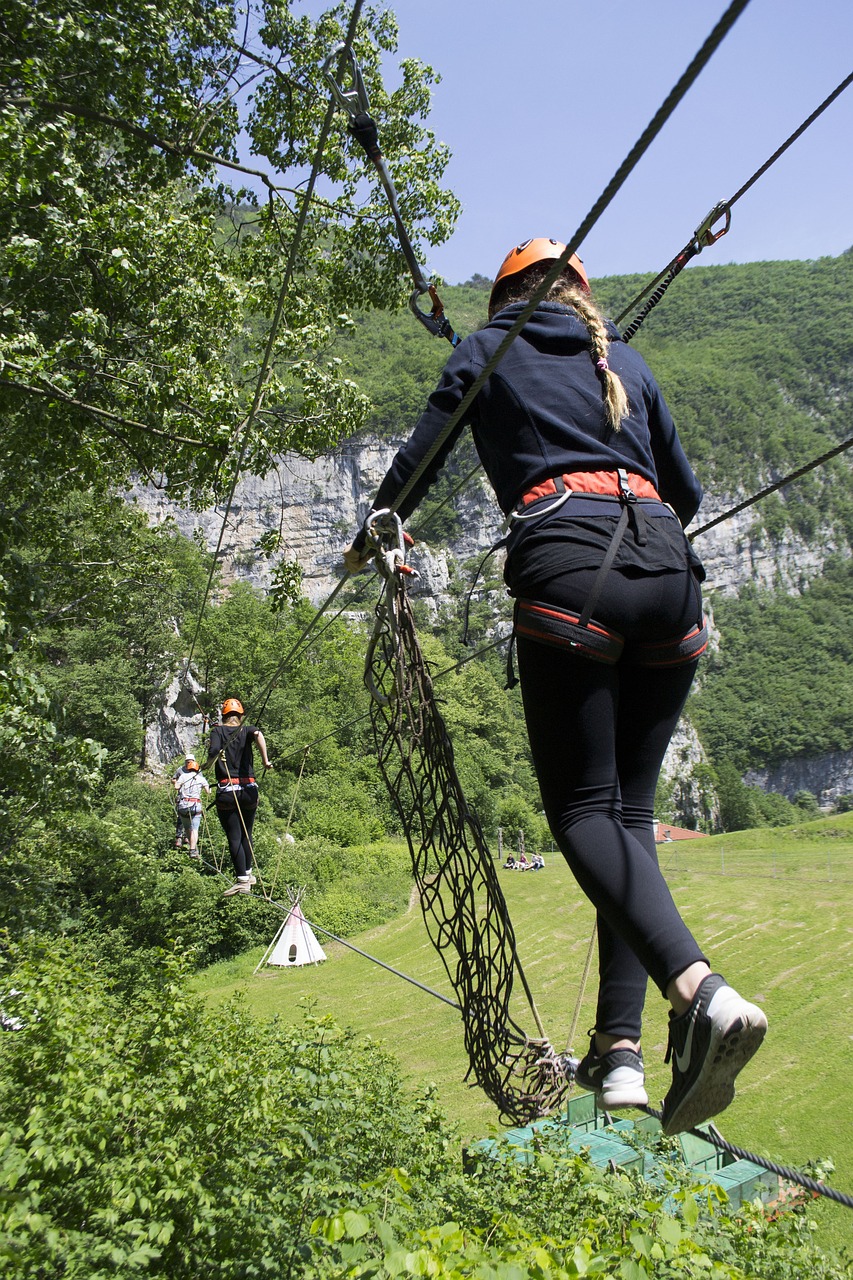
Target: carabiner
<point x="354" y="100"/>
<point x="436" y="321"/>
<point x="386" y="537"/>
<point x="704" y="236"/>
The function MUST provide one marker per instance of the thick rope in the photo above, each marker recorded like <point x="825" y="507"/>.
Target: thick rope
<point x="590" y="953"/>
<point x="713" y="1135"/>
<point x="704" y="235"/>
<point x="772" y="488"/>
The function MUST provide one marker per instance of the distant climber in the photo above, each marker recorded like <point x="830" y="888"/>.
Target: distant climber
<point x="189" y="783"/>
<point x="236" y="789"/>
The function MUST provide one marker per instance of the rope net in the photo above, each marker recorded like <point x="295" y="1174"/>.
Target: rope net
<point x="463" y="907"/>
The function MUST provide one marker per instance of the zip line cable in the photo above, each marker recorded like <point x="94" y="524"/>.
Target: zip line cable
<point x="705" y="235"/>
<point x="716" y="1139"/>
<point x="364" y="129"/>
<point x="772" y="488"/>
<point x="344" y="943"/>
<point x="264" y="372"/>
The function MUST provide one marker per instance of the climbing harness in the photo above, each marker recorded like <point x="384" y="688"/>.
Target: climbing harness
<point x="709" y="232"/>
<point x="462" y="903"/>
<point x="581" y="633"/>
<point x="365" y="131"/>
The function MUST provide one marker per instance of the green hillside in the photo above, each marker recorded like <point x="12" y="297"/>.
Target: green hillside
<point x="773" y="909"/>
<point x="756" y="362"/>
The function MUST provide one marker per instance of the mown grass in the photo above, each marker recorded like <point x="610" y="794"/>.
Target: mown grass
<point x="774" y="911"/>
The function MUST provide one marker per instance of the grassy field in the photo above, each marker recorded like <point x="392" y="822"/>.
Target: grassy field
<point x="772" y="908"/>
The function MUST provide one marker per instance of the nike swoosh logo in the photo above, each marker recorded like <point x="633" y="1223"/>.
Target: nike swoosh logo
<point x="682" y="1059"/>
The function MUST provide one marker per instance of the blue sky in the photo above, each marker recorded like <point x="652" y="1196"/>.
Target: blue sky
<point x="541" y="100"/>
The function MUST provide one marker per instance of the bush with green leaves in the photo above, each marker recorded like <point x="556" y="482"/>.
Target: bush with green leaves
<point x="113" y="877"/>
<point x="147" y="1135"/>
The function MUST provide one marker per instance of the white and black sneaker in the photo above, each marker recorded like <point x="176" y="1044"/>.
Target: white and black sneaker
<point x="708" y="1045"/>
<point x="616" y="1078"/>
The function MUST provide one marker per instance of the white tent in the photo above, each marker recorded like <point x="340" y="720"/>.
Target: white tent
<point x="294" y="943"/>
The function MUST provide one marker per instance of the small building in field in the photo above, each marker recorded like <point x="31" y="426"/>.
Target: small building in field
<point x="666" y="831"/>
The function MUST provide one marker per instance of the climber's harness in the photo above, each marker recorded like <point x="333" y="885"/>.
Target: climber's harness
<point x="581" y="633"/>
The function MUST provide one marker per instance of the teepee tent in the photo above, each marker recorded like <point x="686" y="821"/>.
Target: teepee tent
<point x="295" y="943"/>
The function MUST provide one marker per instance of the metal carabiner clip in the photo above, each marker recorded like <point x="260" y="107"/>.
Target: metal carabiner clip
<point x="435" y="321"/>
<point x="704" y="236"/>
<point x="354" y="100"/>
<point x="385" y="535"/>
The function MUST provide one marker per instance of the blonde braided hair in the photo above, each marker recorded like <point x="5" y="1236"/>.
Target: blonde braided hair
<point x="566" y="289"/>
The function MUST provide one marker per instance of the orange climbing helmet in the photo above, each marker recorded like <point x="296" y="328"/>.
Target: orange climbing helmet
<point x="528" y="254"/>
<point x="232" y="706"/>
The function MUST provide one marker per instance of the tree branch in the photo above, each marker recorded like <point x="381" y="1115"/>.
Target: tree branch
<point x="180" y="150"/>
<point x="54" y="393"/>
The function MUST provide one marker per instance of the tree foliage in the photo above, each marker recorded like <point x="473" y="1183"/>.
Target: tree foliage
<point x="145" y="329"/>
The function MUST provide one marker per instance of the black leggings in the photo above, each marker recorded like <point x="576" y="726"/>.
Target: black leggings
<point x="237" y="824"/>
<point x="598" y="735"/>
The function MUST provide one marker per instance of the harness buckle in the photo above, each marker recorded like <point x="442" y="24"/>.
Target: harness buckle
<point x="626" y="493"/>
<point x="704" y="235"/>
<point x="631" y="505"/>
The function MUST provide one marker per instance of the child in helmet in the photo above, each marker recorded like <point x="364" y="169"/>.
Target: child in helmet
<point x="189" y="783"/>
<point x="230" y="749"/>
<point x="585" y="461"/>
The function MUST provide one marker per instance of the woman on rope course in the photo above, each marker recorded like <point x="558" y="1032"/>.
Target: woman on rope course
<point x="236" y="788"/>
<point x="189" y="784"/>
<point x="582" y="452"/>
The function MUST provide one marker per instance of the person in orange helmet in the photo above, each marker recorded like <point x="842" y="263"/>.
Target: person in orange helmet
<point x="583" y="455"/>
<point x="231" y="751"/>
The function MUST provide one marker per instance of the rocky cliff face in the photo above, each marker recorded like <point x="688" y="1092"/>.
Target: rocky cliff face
<point x="318" y="505"/>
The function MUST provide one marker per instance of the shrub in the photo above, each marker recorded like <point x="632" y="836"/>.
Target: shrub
<point x="148" y="1136"/>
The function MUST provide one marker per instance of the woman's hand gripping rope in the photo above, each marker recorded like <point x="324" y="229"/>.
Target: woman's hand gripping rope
<point x="383" y="539"/>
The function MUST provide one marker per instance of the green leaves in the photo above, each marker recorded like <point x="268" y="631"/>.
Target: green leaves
<point x="148" y="315"/>
<point x="147" y="1135"/>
